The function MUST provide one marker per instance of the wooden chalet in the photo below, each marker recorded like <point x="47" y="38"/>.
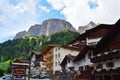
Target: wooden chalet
<point x="91" y="36"/>
<point x="107" y="55"/>
<point x="35" y="62"/>
<point x="87" y="41"/>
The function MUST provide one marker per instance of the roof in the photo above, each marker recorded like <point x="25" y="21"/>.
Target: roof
<point x="103" y="27"/>
<point x="80" y="37"/>
<point x="35" y="52"/>
<point x="69" y="56"/>
<point x="21" y="61"/>
<point x="83" y="52"/>
<point x="110" y="40"/>
<point x="61" y="46"/>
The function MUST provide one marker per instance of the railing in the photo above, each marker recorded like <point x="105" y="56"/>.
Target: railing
<point x="103" y="57"/>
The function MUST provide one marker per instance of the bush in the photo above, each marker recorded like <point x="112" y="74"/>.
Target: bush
<point x="2" y="72"/>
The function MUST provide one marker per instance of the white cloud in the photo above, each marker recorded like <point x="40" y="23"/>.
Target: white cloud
<point x="17" y="17"/>
<point x="78" y="12"/>
<point x="44" y="8"/>
<point x="57" y="4"/>
<point x="21" y="8"/>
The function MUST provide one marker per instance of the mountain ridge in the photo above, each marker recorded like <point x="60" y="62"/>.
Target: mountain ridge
<point x="48" y="26"/>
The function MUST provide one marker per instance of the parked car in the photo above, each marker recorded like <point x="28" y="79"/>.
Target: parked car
<point x="7" y="77"/>
<point x="44" y="75"/>
<point x="35" y="76"/>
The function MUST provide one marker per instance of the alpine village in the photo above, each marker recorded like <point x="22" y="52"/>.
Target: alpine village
<point x="56" y="51"/>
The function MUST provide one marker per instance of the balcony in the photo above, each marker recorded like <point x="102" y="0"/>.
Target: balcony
<point x="105" y="57"/>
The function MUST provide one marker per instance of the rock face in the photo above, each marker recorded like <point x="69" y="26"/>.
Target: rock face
<point x="49" y="26"/>
<point x="56" y="25"/>
<point x="34" y="30"/>
<point x="82" y="29"/>
<point x="20" y="34"/>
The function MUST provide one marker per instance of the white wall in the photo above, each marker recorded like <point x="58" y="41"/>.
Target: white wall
<point x="85" y="61"/>
<point x="70" y="64"/>
<point x="63" y="52"/>
<point x="93" y="40"/>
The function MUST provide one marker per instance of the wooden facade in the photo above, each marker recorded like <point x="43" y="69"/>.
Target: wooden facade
<point x="107" y="51"/>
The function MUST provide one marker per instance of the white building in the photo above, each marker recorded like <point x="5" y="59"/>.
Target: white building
<point x="54" y="54"/>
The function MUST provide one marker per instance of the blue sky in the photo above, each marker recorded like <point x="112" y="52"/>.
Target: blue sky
<point x="19" y="15"/>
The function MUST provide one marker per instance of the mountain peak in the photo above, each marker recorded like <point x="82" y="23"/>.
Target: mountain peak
<point x="90" y="25"/>
<point x="20" y="34"/>
<point x="48" y="26"/>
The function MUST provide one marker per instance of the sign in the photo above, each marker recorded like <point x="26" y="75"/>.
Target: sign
<point x="19" y="72"/>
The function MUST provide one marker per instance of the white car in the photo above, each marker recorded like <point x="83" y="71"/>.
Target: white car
<point x="7" y="77"/>
<point x="44" y="75"/>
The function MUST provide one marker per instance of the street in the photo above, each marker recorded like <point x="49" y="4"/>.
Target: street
<point x="39" y="79"/>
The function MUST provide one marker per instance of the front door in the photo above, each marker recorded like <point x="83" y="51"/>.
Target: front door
<point x="99" y="77"/>
<point x="107" y="77"/>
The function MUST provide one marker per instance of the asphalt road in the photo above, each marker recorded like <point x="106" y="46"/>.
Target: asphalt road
<point x="38" y="79"/>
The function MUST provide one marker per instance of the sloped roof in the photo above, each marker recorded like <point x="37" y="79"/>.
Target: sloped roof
<point x="52" y="46"/>
<point x="111" y="39"/>
<point x="93" y="30"/>
<point x="83" y="52"/>
<point x="21" y="61"/>
<point x="69" y="56"/>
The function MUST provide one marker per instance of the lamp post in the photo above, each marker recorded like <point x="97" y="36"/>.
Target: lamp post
<point x="29" y="69"/>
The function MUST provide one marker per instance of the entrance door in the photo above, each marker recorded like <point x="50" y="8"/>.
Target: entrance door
<point x="99" y="78"/>
<point x="107" y="77"/>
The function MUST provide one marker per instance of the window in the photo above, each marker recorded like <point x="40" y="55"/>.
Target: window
<point x="71" y="68"/>
<point x="59" y="49"/>
<point x="68" y="60"/>
<point x="86" y="67"/>
<point x="56" y="56"/>
<point x="58" y="62"/>
<point x="55" y="63"/>
<point x="81" y="68"/>
<point x="110" y="64"/>
<point x="41" y="58"/>
<point x="59" y="55"/>
<point x="100" y="66"/>
<point x="56" y="49"/>
<point x="89" y="55"/>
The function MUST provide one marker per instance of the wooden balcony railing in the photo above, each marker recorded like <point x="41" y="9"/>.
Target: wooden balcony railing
<point x="110" y="56"/>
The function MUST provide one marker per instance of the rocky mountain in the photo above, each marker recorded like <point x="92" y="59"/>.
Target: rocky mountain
<point x="49" y="26"/>
<point x="20" y="34"/>
<point x="90" y="25"/>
